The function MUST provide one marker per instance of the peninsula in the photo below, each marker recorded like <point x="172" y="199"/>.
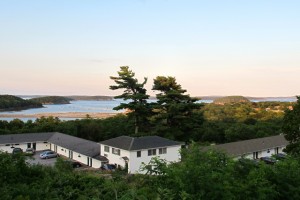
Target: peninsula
<point x="11" y="103"/>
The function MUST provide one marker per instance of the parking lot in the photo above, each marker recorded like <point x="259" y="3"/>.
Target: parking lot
<point x="35" y="159"/>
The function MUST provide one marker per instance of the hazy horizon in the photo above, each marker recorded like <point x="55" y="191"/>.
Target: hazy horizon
<point x="29" y="95"/>
<point x="213" y="48"/>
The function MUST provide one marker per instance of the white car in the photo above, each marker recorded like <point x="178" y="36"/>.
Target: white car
<point x="48" y="154"/>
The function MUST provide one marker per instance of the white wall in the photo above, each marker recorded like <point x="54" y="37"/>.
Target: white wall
<point x="5" y="148"/>
<point x="267" y="153"/>
<point x="115" y="159"/>
<point x="80" y="158"/>
<point x="280" y="149"/>
<point x="39" y="146"/>
<point x="135" y="162"/>
<point x="96" y="163"/>
<point x="62" y="151"/>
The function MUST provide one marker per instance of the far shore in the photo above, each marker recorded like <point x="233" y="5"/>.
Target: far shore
<point x="61" y="115"/>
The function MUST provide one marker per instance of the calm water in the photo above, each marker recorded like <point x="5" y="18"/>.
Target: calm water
<point x="75" y="106"/>
<point x="95" y="106"/>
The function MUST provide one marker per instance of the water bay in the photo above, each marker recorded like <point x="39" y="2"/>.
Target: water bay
<point x="90" y="107"/>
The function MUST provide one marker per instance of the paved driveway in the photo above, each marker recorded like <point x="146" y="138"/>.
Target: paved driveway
<point x="35" y="159"/>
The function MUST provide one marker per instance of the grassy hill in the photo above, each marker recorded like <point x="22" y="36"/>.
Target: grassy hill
<point x="10" y="102"/>
<point x="231" y="100"/>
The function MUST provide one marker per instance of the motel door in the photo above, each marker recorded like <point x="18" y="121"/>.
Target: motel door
<point x="71" y="154"/>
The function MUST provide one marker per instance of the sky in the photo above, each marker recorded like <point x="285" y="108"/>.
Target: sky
<point x="216" y="47"/>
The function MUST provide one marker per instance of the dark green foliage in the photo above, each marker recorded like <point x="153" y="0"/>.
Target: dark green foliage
<point x="291" y="128"/>
<point x="91" y="129"/>
<point x="177" y="114"/>
<point x="200" y="175"/>
<point x="52" y="100"/>
<point x="9" y="102"/>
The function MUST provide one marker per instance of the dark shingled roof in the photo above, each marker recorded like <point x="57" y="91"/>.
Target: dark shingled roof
<point x="249" y="146"/>
<point x="26" y="137"/>
<point x="138" y="143"/>
<point x="85" y="147"/>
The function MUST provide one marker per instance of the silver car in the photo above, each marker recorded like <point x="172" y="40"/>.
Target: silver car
<point x="48" y="154"/>
<point x="30" y="151"/>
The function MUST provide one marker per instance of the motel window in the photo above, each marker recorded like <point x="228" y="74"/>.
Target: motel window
<point x="162" y="150"/>
<point x="116" y="151"/>
<point x="7" y="145"/>
<point x="106" y="149"/>
<point x="138" y="154"/>
<point x="151" y="152"/>
<point x="17" y="144"/>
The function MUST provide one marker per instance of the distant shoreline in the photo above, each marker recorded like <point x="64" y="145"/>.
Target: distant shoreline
<point x="61" y="115"/>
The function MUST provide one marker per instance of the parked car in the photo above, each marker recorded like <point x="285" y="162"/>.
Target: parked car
<point x="30" y="151"/>
<point x="48" y="154"/>
<point x="73" y="163"/>
<point x="109" y="167"/>
<point x="280" y="156"/>
<point x="268" y="160"/>
<point x="17" y="151"/>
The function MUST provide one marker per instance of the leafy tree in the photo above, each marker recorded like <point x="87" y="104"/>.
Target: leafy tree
<point x="239" y="131"/>
<point x="177" y="112"/>
<point x="291" y="128"/>
<point x="156" y="166"/>
<point x="134" y="92"/>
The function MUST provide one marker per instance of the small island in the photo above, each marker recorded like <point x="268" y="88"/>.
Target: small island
<point x="52" y="100"/>
<point x="11" y="103"/>
<point x="90" y="98"/>
<point x="231" y="100"/>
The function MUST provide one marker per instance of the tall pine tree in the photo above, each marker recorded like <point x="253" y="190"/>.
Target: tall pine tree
<point x="178" y="113"/>
<point x="134" y="94"/>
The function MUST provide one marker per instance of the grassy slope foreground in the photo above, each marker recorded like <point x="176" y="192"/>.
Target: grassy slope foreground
<point x="10" y="102"/>
<point x="200" y="175"/>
